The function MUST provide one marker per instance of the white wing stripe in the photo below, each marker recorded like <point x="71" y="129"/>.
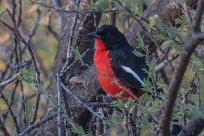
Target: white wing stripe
<point x="129" y="70"/>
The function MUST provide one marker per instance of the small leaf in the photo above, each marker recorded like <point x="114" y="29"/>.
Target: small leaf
<point x="77" y="55"/>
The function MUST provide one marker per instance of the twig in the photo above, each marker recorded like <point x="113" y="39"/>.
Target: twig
<point x="67" y="67"/>
<point x="3" y="129"/>
<point x="8" y="65"/>
<point x="50" y="29"/>
<point x="36" y="22"/>
<point x="188" y="49"/>
<point x="18" y="111"/>
<point x="59" y="105"/>
<point x="38" y="124"/>
<point x="58" y="9"/>
<point x="13" y="12"/>
<point x="8" y="81"/>
<point x="34" y="26"/>
<point x="81" y="102"/>
<point x="104" y="105"/>
<point x="20" y="13"/>
<point x="4" y="115"/>
<point x="164" y="63"/>
<point x="11" y="112"/>
<point x="24" y="105"/>
<point x="199" y="98"/>
<point x="56" y="3"/>
<point x="71" y="35"/>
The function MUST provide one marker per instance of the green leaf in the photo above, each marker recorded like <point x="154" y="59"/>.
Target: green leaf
<point x="138" y="54"/>
<point x="118" y="104"/>
<point x="182" y="20"/>
<point x="79" y="130"/>
<point x="113" y="120"/>
<point x="27" y="77"/>
<point x="161" y="36"/>
<point x="99" y="5"/>
<point x="77" y="55"/>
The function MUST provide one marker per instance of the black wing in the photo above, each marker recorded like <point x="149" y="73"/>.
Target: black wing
<point x="128" y="67"/>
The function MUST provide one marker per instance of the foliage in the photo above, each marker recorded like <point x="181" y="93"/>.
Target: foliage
<point x="113" y="120"/>
<point x="79" y="130"/>
<point x="99" y="5"/>
<point x="77" y="54"/>
<point x="29" y="78"/>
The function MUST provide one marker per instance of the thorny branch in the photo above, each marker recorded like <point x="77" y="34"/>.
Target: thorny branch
<point x="59" y="104"/>
<point x="71" y="36"/>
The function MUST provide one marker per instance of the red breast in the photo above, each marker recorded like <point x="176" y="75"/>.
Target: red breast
<point x="106" y="76"/>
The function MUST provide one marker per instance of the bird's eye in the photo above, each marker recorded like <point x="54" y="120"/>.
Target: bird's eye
<point x="107" y="35"/>
<point x="104" y="34"/>
<point x="101" y="33"/>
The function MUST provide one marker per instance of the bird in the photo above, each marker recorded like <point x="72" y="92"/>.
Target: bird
<point x="120" y="73"/>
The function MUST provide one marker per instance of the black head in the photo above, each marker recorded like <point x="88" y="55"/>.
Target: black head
<point x="110" y="36"/>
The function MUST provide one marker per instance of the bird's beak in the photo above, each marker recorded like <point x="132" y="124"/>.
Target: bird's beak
<point x="93" y="35"/>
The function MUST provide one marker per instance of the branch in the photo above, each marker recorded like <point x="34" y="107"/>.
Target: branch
<point x="31" y="34"/>
<point x="4" y="83"/>
<point x="11" y="100"/>
<point x="59" y="105"/>
<point x="3" y="129"/>
<point x="164" y="63"/>
<point x="71" y="35"/>
<point x="19" y="68"/>
<point x="11" y="112"/>
<point x="38" y="124"/>
<point x="81" y="102"/>
<point x="188" y="49"/>
<point x="58" y="14"/>
<point x="59" y="9"/>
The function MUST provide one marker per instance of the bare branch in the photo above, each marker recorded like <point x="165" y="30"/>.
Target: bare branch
<point x="38" y="124"/>
<point x="165" y="63"/>
<point x="11" y="112"/>
<point x="71" y="36"/>
<point x="59" y="105"/>
<point x="59" y="9"/>
<point x="4" y="83"/>
<point x="3" y="129"/>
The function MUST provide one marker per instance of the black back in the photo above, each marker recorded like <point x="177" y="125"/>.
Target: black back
<point x="125" y="57"/>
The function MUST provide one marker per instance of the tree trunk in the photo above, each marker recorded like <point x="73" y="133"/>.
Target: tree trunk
<point x="86" y="85"/>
